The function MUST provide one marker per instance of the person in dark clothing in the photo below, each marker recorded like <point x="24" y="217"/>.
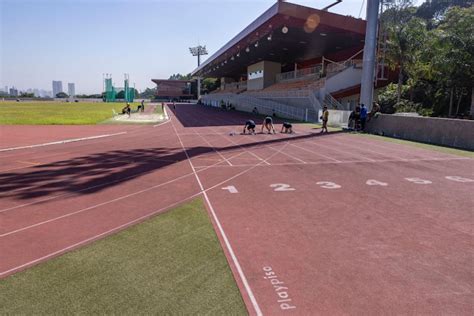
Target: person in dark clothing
<point x="250" y="126"/>
<point x="286" y="128"/>
<point x="363" y="116"/>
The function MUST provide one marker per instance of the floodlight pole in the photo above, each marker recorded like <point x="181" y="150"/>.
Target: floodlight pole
<point x="198" y="51"/>
<point x="368" y="66"/>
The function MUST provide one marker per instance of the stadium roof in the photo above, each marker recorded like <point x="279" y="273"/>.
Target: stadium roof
<point x="311" y="33"/>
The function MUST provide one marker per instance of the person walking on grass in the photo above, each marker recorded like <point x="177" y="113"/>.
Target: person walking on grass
<point x="325" y="119"/>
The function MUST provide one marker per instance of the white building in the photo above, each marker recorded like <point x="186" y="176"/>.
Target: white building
<point x="71" y="89"/>
<point x="57" y="87"/>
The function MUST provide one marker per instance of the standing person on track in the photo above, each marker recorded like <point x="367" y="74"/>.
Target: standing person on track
<point x="250" y="126"/>
<point x="363" y="116"/>
<point x="268" y="124"/>
<point x="287" y="127"/>
<point x="174" y="105"/>
<point x="325" y="119"/>
<point x="143" y="106"/>
<point x="162" y="107"/>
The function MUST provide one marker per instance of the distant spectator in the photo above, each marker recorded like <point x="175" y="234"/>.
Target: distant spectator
<point x="143" y="106"/>
<point x="375" y="109"/>
<point x="255" y="110"/>
<point x="363" y="116"/>
<point x="325" y="118"/>
<point x="357" y="118"/>
<point x="162" y="107"/>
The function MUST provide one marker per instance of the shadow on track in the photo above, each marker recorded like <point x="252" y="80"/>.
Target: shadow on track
<point x="97" y="172"/>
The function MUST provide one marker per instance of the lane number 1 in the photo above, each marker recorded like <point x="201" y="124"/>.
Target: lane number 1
<point x="231" y="189"/>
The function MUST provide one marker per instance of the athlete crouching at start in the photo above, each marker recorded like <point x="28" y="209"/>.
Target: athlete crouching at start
<point x="286" y="128"/>
<point x="268" y="124"/>
<point x="250" y="126"/>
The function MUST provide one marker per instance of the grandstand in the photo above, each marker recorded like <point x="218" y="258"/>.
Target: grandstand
<point x="173" y="89"/>
<point x="292" y="58"/>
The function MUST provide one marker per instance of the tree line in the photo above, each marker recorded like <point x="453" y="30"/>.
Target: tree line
<point x="431" y="47"/>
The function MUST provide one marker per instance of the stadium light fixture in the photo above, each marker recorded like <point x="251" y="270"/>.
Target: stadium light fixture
<point x="284" y="29"/>
<point x="269" y="38"/>
<point x="256" y="44"/>
<point x="247" y="49"/>
<point x="238" y="54"/>
<point x="198" y="51"/>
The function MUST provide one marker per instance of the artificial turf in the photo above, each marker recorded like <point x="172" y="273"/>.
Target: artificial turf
<point x="170" y="264"/>
<point x="58" y="113"/>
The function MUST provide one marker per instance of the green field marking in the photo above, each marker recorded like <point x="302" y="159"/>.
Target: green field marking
<point x="446" y="150"/>
<point x="58" y="113"/>
<point x="169" y="264"/>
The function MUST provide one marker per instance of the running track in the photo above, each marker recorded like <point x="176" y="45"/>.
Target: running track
<point x="310" y="224"/>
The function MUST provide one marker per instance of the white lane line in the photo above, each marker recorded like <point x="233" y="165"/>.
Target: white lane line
<point x="333" y="147"/>
<point x="94" y="206"/>
<point x="350" y="145"/>
<point x="342" y="162"/>
<point x="62" y="142"/>
<point x="213" y="148"/>
<point x="64" y="195"/>
<point x="292" y="157"/>
<point x="224" y="236"/>
<point x="316" y="153"/>
<point x="98" y="236"/>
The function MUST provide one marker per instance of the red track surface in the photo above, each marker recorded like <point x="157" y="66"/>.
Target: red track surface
<point x="399" y="246"/>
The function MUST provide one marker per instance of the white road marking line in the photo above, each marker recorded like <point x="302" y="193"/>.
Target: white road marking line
<point x="94" y="206"/>
<point x="221" y="230"/>
<point x="313" y="152"/>
<point x="62" y="142"/>
<point x="64" y="195"/>
<point x="97" y="236"/>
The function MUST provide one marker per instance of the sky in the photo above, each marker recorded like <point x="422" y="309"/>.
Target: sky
<point x="80" y="40"/>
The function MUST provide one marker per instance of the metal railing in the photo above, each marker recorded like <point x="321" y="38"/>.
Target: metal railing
<point x="248" y="103"/>
<point x="332" y="103"/>
<point x="300" y="74"/>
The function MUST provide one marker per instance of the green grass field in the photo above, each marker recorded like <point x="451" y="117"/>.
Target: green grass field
<point x="57" y="113"/>
<point x="170" y="264"/>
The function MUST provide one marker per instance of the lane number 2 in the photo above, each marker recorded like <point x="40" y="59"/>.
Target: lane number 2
<point x="279" y="187"/>
<point x="418" y="180"/>
<point x="376" y="182"/>
<point x="328" y="185"/>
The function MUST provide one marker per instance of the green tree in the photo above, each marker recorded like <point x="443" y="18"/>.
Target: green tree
<point x="452" y="56"/>
<point x="61" y="95"/>
<point x="406" y="36"/>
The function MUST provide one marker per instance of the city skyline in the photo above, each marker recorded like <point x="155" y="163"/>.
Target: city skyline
<point x="147" y="39"/>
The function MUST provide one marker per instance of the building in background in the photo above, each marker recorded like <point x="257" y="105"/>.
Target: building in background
<point x="57" y="87"/>
<point x="173" y="89"/>
<point x="13" y="92"/>
<point x="71" y="89"/>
